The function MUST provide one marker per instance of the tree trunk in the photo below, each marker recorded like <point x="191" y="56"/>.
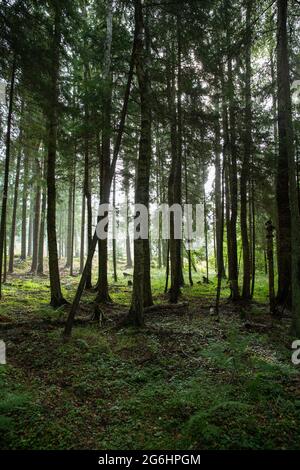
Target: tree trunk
<point x="82" y="233"/>
<point x="36" y="220"/>
<point x="287" y="152"/>
<point x="270" y="257"/>
<point x="284" y="220"/>
<point x="105" y="184"/>
<point x="87" y="193"/>
<point x="136" y="313"/>
<point x="24" y="206"/>
<point x="6" y="170"/>
<point x="15" y="204"/>
<point x="233" y="188"/>
<point x="128" y="247"/>
<point x="56" y="295"/>
<point x="205" y="228"/>
<point x="30" y="223"/>
<point x="218" y="190"/>
<point x="174" y="185"/>
<point x="246" y="294"/>
<point x="73" y="216"/>
<point x="118" y="142"/>
<point x="70" y="220"/>
<point x="114" y="242"/>
<point x="40" y="266"/>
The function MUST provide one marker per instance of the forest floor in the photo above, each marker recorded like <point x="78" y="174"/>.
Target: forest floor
<point x="185" y="381"/>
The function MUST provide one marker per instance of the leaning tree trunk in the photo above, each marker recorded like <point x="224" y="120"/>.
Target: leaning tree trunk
<point x="118" y="142"/>
<point x="56" y="295"/>
<point x="287" y="152"/>
<point x="6" y="170"/>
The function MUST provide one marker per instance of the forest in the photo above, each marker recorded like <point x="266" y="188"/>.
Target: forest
<point x="149" y="225"/>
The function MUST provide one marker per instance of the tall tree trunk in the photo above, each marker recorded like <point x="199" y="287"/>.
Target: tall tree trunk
<point x="87" y="192"/>
<point x="73" y="216"/>
<point x="117" y="146"/>
<point x="136" y="313"/>
<point x="220" y="253"/>
<point x="287" y="152"/>
<point x="114" y="242"/>
<point x="56" y="295"/>
<point x="253" y="219"/>
<point x="284" y="218"/>
<point x="40" y="266"/>
<point x="246" y="294"/>
<point x="6" y="170"/>
<point x="188" y="250"/>
<point x="128" y="247"/>
<point x="105" y="184"/>
<point x="36" y="220"/>
<point x="175" y="173"/>
<point x="82" y="234"/>
<point x="218" y="189"/>
<point x="24" y="206"/>
<point x="70" y="219"/>
<point x="15" y="203"/>
<point x="5" y="260"/>
<point x="147" y="116"/>
<point x="233" y="188"/>
<point x="30" y="224"/>
<point x="205" y="227"/>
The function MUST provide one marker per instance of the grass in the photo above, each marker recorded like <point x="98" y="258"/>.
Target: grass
<point x="182" y="382"/>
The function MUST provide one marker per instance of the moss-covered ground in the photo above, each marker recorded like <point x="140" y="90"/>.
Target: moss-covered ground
<point x="185" y="381"/>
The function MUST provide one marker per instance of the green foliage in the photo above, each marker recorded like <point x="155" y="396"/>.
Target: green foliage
<point x="12" y="401"/>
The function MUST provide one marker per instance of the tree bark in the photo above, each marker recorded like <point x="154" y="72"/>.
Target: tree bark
<point x="82" y="234"/>
<point x="118" y="142"/>
<point x="246" y="294"/>
<point x="15" y="203"/>
<point x="40" y="266"/>
<point x="105" y="183"/>
<point x="6" y="169"/>
<point x="114" y="242"/>
<point x="36" y="220"/>
<point x="70" y="219"/>
<point x="141" y="256"/>
<point x="287" y="152"/>
<point x="24" y="206"/>
<point x="57" y="298"/>
<point x="218" y="189"/>
<point x="233" y="188"/>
